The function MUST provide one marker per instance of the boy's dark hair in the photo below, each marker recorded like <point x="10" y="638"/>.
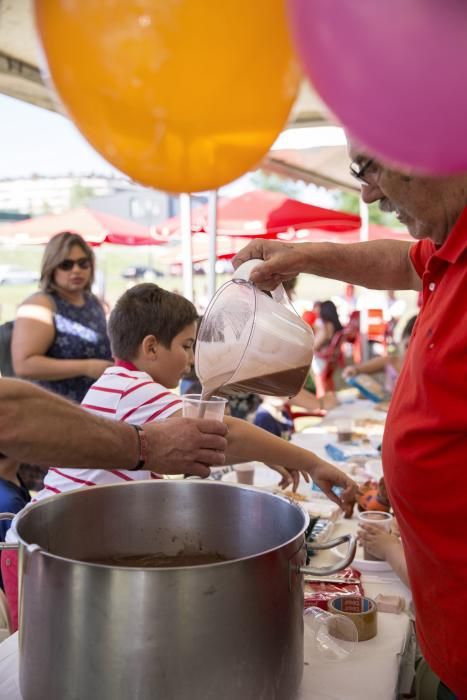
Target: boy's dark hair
<point x="143" y="310"/>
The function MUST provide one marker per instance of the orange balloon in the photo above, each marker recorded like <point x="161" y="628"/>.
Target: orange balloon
<point x="182" y="95"/>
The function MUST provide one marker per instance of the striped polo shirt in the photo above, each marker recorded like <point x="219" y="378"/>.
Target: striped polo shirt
<point x="122" y="393"/>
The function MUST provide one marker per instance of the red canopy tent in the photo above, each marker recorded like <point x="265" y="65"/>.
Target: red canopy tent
<point x="227" y="247"/>
<point x="375" y="232"/>
<point x="264" y="214"/>
<point x="94" y="226"/>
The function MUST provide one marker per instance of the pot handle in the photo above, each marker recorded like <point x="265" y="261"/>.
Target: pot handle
<point x="8" y="545"/>
<point x="327" y="570"/>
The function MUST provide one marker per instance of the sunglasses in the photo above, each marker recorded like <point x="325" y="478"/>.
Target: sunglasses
<point x="68" y="264"/>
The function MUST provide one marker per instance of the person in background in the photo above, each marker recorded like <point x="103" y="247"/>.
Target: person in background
<point x="323" y="363"/>
<point x="273" y="415"/>
<point x="310" y="316"/>
<point x="13" y="494"/>
<point x="386" y="546"/>
<point x="391" y="365"/>
<point x="60" y="339"/>
<point x="346" y="303"/>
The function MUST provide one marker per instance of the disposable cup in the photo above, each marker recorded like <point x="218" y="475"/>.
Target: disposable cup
<point x="344" y="428"/>
<point x="194" y="406"/>
<point x="245" y="472"/>
<point x="376" y="518"/>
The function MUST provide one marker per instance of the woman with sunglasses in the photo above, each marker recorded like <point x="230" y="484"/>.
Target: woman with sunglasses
<point x="60" y="339"/>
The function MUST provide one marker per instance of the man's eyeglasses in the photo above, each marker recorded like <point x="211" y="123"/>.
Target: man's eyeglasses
<point x="357" y="170"/>
<point x="68" y="264"/>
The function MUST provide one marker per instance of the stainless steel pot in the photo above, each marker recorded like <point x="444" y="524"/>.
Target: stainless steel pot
<point x="230" y="630"/>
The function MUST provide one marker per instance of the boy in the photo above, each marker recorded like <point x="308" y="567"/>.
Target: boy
<point x="152" y="333"/>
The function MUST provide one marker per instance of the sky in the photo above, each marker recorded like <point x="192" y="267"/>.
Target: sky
<point x="36" y="141"/>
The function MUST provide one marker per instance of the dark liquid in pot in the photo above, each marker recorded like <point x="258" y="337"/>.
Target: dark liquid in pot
<point x="286" y="383"/>
<point x="155" y="561"/>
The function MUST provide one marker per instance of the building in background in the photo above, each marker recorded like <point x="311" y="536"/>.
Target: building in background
<point x="37" y="195"/>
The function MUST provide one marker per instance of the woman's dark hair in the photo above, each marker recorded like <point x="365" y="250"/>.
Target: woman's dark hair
<point x="408" y="328"/>
<point x="328" y="312"/>
<point x="144" y="310"/>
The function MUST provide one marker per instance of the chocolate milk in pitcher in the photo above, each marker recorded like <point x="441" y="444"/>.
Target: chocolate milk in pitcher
<point x="251" y="341"/>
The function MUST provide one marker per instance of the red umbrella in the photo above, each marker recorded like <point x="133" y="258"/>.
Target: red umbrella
<point x="265" y="214"/>
<point x="94" y="226"/>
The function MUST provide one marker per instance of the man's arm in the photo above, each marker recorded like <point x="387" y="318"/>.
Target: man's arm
<point x="381" y="264"/>
<point x="43" y="428"/>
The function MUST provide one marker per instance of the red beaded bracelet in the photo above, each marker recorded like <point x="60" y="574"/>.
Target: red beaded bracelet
<point x="143" y="448"/>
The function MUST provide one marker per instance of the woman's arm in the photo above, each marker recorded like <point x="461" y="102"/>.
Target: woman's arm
<point x="376" y="364"/>
<point x="33" y="334"/>
<point x="321" y="338"/>
<point x="307" y="400"/>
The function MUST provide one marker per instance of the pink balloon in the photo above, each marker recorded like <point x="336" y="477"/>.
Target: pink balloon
<point x="394" y="72"/>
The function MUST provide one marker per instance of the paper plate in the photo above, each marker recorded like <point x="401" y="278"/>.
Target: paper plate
<point x="360" y="563"/>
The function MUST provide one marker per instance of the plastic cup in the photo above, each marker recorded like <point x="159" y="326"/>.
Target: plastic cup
<point x="332" y="636"/>
<point x="377" y="518"/>
<point x="344" y="428"/>
<point x="194" y="406"/>
<point x="245" y="473"/>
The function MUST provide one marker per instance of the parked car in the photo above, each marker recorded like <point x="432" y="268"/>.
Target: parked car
<point x="144" y="272"/>
<point x="13" y="274"/>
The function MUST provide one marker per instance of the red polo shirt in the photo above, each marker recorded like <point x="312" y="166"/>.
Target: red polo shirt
<point x="425" y="456"/>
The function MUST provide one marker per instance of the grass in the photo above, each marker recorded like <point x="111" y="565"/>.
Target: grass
<point x="113" y="259"/>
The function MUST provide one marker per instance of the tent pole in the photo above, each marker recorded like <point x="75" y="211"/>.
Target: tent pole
<point x="364" y="235"/>
<point x="364" y="216"/>
<point x="212" y="233"/>
<point x="187" y="251"/>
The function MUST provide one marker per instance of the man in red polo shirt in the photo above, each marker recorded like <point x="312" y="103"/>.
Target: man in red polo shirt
<point x="425" y="440"/>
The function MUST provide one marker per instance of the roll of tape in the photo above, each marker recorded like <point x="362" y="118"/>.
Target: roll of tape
<point x="361" y="610"/>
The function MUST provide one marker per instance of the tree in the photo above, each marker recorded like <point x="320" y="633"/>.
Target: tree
<point x="275" y="183"/>
<point x="350" y="202"/>
<point x="79" y="194"/>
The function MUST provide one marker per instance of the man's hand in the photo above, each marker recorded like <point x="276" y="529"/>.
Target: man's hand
<point x="185" y="446"/>
<point x="282" y="262"/>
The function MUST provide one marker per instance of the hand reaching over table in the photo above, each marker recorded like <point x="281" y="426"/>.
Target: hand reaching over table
<point x="327" y="476"/>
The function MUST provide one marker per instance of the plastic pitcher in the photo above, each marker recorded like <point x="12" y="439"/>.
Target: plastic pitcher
<point x="251" y="341"/>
